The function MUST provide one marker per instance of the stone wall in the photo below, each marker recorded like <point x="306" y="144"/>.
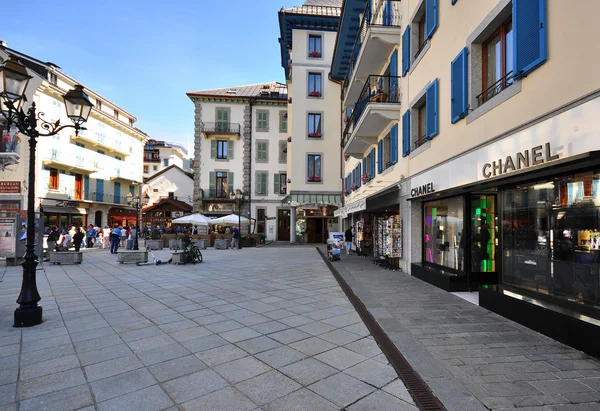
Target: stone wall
<point x="197" y="201"/>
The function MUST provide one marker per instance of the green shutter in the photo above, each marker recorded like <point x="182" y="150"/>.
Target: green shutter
<point x="230" y="150"/>
<point x="212" y="182"/>
<point x="261" y="152"/>
<point x="282" y="155"/>
<point x="213" y="149"/>
<point x="262" y="121"/>
<point x="276" y="185"/>
<point x="230" y="180"/>
<point x="282" y="122"/>
<point x="265" y="183"/>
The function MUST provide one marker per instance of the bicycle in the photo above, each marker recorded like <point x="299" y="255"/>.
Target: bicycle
<point x="192" y="254"/>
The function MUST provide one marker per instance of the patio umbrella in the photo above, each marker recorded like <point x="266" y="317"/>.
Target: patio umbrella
<point x="195" y="219"/>
<point x="231" y="219"/>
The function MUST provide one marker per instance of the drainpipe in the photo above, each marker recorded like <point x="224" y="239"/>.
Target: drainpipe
<point x="250" y="103"/>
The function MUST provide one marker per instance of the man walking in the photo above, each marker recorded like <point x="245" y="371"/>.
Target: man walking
<point x="90" y="236"/>
<point x="235" y="238"/>
<point x="348" y="237"/>
<point x="115" y="238"/>
<point x="77" y="238"/>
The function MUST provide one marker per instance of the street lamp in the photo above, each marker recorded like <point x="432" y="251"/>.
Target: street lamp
<point x="239" y="200"/>
<point x="14" y="79"/>
<point x="135" y="202"/>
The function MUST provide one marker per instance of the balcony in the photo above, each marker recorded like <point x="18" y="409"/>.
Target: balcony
<point x="220" y="128"/>
<point x="379" y="33"/>
<point x="219" y="194"/>
<point x="73" y="158"/>
<point x="81" y="195"/>
<point x="101" y="142"/>
<point x="125" y="174"/>
<point x="377" y="105"/>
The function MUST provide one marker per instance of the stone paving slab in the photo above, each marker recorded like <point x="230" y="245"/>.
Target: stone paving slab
<point x="270" y="336"/>
<point x="471" y="358"/>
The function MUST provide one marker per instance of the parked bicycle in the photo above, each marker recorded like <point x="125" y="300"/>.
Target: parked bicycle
<point x="191" y="254"/>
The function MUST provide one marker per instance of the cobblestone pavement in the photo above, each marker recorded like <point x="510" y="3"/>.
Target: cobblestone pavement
<point x="253" y="329"/>
<point x="471" y="358"/>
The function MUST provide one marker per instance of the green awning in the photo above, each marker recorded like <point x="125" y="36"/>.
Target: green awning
<point x="304" y="199"/>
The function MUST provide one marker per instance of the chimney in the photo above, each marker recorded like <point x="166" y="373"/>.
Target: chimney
<point x="3" y="44"/>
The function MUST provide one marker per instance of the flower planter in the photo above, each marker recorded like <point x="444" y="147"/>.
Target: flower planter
<point x="314" y="179"/>
<point x="290" y="100"/>
<point x="289" y="180"/>
<point x="314" y="54"/>
<point x="289" y="139"/>
<point x="314" y="94"/>
<point x="284" y="150"/>
<point x="314" y="135"/>
<point x="154" y="244"/>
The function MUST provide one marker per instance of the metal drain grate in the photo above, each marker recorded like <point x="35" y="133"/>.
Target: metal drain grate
<point x="418" y="389"/>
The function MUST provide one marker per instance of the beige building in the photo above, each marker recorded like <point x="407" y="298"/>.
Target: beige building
<point x="479" y="118"/>
<point x="308" y="34"/>
<point x="159" y="155"/>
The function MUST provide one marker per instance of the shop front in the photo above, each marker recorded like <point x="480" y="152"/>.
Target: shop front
<point x="164" y="212"/>
<point x="312" y="216"/>
<point x="64" y="213"/>
<point x="519" y="220"/>
<point x="120" y="216"/>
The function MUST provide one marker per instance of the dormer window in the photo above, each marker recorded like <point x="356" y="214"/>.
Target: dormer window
<point x="98" y="104"/>
<point x="53" y="78"/>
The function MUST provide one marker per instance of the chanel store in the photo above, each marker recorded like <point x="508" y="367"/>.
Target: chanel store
<point x="518" y="220"/>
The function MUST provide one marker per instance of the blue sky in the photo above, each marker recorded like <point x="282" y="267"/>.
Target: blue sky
<point x="144" y="55"/>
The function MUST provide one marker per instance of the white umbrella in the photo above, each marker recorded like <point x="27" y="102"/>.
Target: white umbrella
<point x="195" y="219"/>
<point x="230" y="219"/>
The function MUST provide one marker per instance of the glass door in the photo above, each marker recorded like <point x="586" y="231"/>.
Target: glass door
<point x="484" y="239"/>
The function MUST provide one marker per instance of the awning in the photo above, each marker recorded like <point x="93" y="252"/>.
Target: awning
<point x="384" y="199"/>
<point x="351" y="208"/>
<point x="303" y="199"/>
<point x="63" y="210"/>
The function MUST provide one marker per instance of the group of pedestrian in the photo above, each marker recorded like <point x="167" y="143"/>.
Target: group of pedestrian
<point x="119" y="236"/>
<point x="93" y="236"/>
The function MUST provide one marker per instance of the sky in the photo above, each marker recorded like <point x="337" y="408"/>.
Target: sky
<point x="144" y="55"/>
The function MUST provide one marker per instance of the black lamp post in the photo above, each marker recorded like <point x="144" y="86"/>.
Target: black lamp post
<point x="239" y="200"/>
<point x="13" y="83"/>
<point x="136" y="202"/>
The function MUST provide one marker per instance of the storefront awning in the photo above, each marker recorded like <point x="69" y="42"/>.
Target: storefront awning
<point x="63" y="210"/>
<point x="351" y="208"/>
<point x="303" y="199"/>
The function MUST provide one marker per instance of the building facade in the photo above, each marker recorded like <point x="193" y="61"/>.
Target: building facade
<point x="85" y="178"/>
<point x="308" y="34"/>
<point x="492" y="162"/>
<point x="240" y="143"/>
<point x="158" y="155"/>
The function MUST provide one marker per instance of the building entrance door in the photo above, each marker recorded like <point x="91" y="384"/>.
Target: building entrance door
<point x="78" y="187"/>
<point x="483" y="240"/>
<point x="283" y="225"/>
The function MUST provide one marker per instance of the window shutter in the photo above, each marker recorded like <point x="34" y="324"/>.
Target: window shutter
<point x="213" y="149"/>
<point x="230" y="181"/>
<point x="380" y="156"/>
<point x="529" y="38"/>
<point x="86" y="187"/>
<point x="431" y="15"/>
<point x="372" y="163"/>
<point x="265" y="186"/>
<point x="230" y="150"/>
<point x="394" y="144"/>
<point x="282" y="155"/>
<point x="393" y="76"/>
<point x="364" y="165"/>
<point x="406" y="50"/>
<point x="358" y="175"/>
<point x="459" y="83"/>
<point x="277" y="184"/>
<point x="212" y="183"/>
<point x="406" y="133"/>
<point x="432" y="109"/>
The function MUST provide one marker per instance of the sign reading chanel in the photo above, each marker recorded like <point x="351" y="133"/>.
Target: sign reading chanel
<point x="535" y="156"/>
<point x="422" y="190"/>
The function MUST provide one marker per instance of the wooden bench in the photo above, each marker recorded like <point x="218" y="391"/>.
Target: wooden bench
<point x="132" y="256"/>
<point x="66" y="257"/>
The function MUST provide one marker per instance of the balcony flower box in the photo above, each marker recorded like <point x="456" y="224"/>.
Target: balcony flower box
<point x="283" y="188"/>
<point x="284" y="115"/>
<point x="314" y="179"/>
<point x="353" y="187"/>
<point x="290" y="63"/>
<point x="289" y="139"/>
<point x="314" y="94"/>
<point x="346" y="157"/>
<point x="289" y="181"/>
<point x="315" y="134"/>
<point x="284" y="150"/>
<point x="289" y="100"/>
<point x="345" y="119"/>
<point x="314" y="54"/>
<point x="365" y="178"/>
<point x="346" y="192"/>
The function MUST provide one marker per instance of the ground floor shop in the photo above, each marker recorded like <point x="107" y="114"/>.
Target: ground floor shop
<point x="164" y="212"/>
<point x="312" y="216"/>
<point x="65" y="213"/>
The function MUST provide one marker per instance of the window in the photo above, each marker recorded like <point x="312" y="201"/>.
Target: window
<point x="421" y="136"/>
<point x="416" y="36"/>
<point x="314" y="84"/>
<point x="262" y="151"/>
<point x="222" y="119"/>
<point x="165" y="162"/>
<point x="261" y="182"/>
<point x="314" y="125"/>
<point x="443" y="233"/>
<point x="421" y="35"/>
<point x="155" y="168"/>
<point x="262" y="120"/>
<point x="222" y="149"/>
<point x="498" y="62"/>
<point x="283" y="121"/>
<point x="282" y="183"/>
<point x="314" y="168"/>
<point x="100" y="151"/>
<point x="315" y="48"/>
<point x="425" y="124"/>
<point x="116" y="114"/>
<point x="282" y="152"/>
<point x="53" y="179"/>
<point x="118" y="158"/>
<point x="53" y="78"/>
<point x="146" y="169"/>
<point x="261" y="217"/>
<point x="221" y="186"/>
<point x="98" y="104"/>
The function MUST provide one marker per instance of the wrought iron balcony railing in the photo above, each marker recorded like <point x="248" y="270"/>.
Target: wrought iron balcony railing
<point x="221" y="127"/>
<point x="496" y="88"/>
<point x="219" y="193"/>
<point x="386" y="14"/>
<point x="377" y="89"/>
<point x="96" y="196"/>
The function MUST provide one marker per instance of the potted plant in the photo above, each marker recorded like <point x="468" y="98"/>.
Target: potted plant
<point x="289" y="139"/>
<point x="283" y="188"/>
<point x="155" y="242"/>
<point x="284" y="149"/>
<point x="345" y="119"/>
<point x="353" y="186"/>
<point x="314" y="94"/>
<point x="346" y="157"/>
<point x="314" y="179"/>
<point x="285" y="115"/>
<point x="314" y="54"/>
<point x="315" y="134"/>
<point x="346" y="192"/>
<point x="289" y="100"/>
<point x="289" y="181"/>
<point x="365" y="178"/>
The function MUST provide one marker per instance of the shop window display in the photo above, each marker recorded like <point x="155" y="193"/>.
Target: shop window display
<point x="444" y="237"/>
<point x="551" y="237"/>
<point x="389" y="237"/>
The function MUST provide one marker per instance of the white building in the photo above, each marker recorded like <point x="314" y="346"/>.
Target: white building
<point x="158" y="155"/>
<point x="307" y="44"/>
<point x="82" y="179"/>
<point x="240" y="143"/>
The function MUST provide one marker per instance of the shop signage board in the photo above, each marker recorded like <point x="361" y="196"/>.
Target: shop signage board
<point x="568" y="134"/>
<point x="10" y="187"/>
<point x="8" y="241"/>
<point x="351" y="208"/>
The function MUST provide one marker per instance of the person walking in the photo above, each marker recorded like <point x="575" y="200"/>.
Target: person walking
<point x="123" y="235"/>
<point x="78" y="238"/>
<point x="52" y="239"/>
<point x="115" y="238"/>
<point x="348" y="237"/>
<point x="106" y="237"/>
<point x="235" y="237"/>
<point x="90" y="236"/>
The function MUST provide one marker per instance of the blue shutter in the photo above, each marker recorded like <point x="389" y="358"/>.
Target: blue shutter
<point x="117" y="193"/>
<point x="100" y="190"/>
<point x="458" y="73"/>
<point x="406" y="133"/>
<point x="86" y="187"/>
<point x="364" y="165"/>
<point x="387" y="13"/>
<point x="529" y="35"/>
<point x="453" y="2"/>
<point x="393" y="77"/>
<point x="432" y="109"/>
<point x="358" y="179"/>
<point x="380" y="156"/>
<point x="431" y="15"/>
<point x="406" y="50"/>
<point x="394" y="144"/>
<point x="372" y="171"/>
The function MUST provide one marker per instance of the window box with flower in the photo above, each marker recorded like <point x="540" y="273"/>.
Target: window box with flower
<point x="346" y="192"/>
<point x="346" y="157"/>
<point x="314" y="179"/>
<point x="353" y="186"/>
<point x="365" y="178"/>
<point x="314" y="94"/>
<point x="284" y="149"/>
<point x="315" y="134"/>
<point x="289" y="139"/>
<point x="314" y="54"/>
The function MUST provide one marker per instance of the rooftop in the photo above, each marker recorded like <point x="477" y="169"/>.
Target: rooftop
<point x="271" y="90"/>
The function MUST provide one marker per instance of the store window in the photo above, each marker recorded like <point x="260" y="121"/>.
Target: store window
<point x="551" y="237"/>
<point x="443" y="233"/>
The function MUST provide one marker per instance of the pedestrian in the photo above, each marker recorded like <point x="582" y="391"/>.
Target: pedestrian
<point x="90" y="236"/>
<point x="115" y="237"/>
<point x="235" y="238"/>
<point x="195" y="232"/>
<point x="52" y="238"/>
<point x="123" y="235"/>
<point x="77" y="238"/>
<point x="348" y="237"/>
<point x="106" y="237"/>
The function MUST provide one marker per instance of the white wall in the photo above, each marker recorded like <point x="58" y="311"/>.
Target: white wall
<point x="171" y="181"/>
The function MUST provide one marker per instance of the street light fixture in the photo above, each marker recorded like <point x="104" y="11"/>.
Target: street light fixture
<point x="239" y="200"/>
<point x="14" y="80"/>
<point x="135" y="202"/>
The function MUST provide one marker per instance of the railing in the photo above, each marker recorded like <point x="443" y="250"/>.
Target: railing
<point x="221" y="127"/>
<point x="420" y="141"/>
<point x="421" y="48"/>
<point x="386" y="14"/>
<point x="92" y="196"/>
<point x="377" y="89"/>
<point x="496" y="88"/>
<point x="225" y="194"/>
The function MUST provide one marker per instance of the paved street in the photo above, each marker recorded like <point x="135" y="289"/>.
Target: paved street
<point x="255" y="329"/>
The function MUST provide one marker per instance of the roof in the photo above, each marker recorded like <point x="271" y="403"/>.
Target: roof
<point x="326" y="3"/>
<point x="164" y="170"/>
<point x="271" y="90"/>
<point x="151" y="144"/>
<point x="183" y="206"/>
<point x="346" y="37"/>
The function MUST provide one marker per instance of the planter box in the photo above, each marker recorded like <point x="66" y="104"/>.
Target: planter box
<point x="248" y="242"/>
<point x="178" y="257"/>
<point x="66" y="257"/>
<point x="174" y="244"/>
<point x="201" y="244"/>
<point x="154" y="244"/>
<point x="221" y="244"/>
<point x="133" y="256"/>
<point x="208" y="238"/>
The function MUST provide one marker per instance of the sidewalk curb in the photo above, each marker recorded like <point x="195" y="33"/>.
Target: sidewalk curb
<point x="417" y="387"/>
